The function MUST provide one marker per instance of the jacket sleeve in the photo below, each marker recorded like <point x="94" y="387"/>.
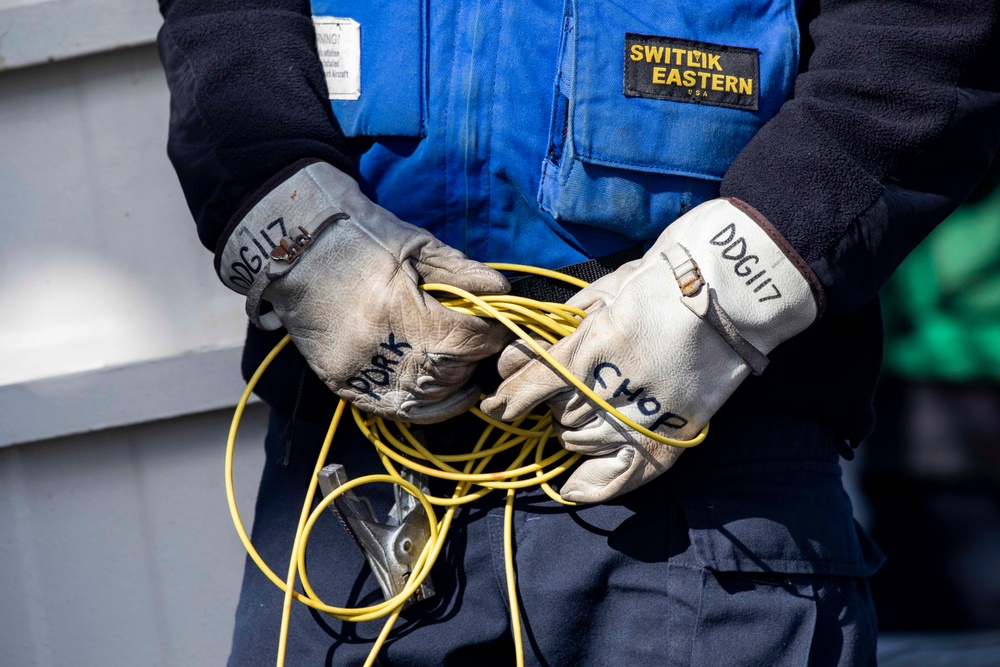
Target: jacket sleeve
<point x="893" y="123"/>
<point x="248" y="97"/>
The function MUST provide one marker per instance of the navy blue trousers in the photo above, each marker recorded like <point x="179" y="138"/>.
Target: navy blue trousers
<point x="744" y="553"/>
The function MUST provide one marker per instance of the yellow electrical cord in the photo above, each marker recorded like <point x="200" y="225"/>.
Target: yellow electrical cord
<point x="550" y="321"/>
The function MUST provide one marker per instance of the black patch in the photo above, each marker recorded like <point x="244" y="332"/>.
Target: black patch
<point x="682" y="70"/>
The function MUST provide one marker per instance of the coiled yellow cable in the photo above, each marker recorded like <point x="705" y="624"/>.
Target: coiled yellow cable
<point x="550" y="321"/>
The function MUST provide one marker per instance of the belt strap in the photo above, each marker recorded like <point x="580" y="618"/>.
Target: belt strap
<point x="541" y="288"/>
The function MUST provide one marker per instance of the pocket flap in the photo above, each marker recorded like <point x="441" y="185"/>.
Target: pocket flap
<point x="795" y="521"/>
<point x="645" y="96"/>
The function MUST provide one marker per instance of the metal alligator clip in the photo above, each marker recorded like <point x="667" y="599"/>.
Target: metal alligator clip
<point x="391" y="547"/>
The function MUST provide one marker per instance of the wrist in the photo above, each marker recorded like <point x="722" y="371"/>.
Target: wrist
<point x="278" y="222"/>
<point x="736" y="272"/>
<point x="786" y="248"/>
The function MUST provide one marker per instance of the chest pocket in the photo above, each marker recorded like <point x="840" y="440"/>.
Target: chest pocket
<point x="653" y="102"/>
<point x="373" y="54"/>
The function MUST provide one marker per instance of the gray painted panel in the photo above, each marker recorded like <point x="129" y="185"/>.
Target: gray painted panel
<point x="36" y="32"/>
<point x="115" y="273"/>
<point x="118" y="548"/>
<point x="111" y="397"/>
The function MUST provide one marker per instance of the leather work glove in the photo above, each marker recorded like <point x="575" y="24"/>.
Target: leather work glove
<point x="342" y="276"/>
<point x="667" y="339"/>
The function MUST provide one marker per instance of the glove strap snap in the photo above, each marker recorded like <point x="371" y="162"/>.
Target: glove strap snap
<point x="279" y="222"/>
<point x="289" y="248"/>
<point x="281" y="259"/>
<point x="699" y="297"/>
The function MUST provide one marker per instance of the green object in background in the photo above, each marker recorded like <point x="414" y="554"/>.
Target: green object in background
<point x="942" y="307"/>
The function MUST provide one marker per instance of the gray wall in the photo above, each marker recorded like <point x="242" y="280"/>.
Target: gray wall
<point x="118" y="359"/>
<point x="118" y="548"/>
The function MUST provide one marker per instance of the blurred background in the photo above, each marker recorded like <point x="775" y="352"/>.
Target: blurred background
<point x="119" y="369"/>
<point x="928" y="478"/>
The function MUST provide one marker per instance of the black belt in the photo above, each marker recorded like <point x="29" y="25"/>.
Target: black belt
<point x="541" y="288"/>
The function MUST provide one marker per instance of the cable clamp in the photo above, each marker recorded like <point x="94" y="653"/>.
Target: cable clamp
<point x="392" y="547"/>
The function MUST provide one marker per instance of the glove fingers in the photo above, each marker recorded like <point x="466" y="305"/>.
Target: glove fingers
<point x="604" y="433"/>
<point x="594" y="435"/>
<point x="439" y="263"/>
<point x="600" y="292"/>
<point x="600" y="478"/>
<point x="472" y="339"/>
<point x="429" y="411"/>
<point x="445" y="369"/>
<point x="587" y="298"/>
<point x="456" y="336"/>
<point x="517" y="354"/>
<point x="406" y="406"/>
<point x="604" y="477"/>
<point x="533" y="383"/>
<point x="623" y="460"/>
<point x="575" y="412"/>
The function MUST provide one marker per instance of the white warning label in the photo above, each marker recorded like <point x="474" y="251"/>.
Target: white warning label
<point x="338" y="41"/>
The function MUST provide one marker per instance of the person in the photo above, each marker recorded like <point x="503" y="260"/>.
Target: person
<point x="768" y="165"/>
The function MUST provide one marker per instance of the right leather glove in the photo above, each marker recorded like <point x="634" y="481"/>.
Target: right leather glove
<point x="342" y="276"/>
<point x="666" y="340"/>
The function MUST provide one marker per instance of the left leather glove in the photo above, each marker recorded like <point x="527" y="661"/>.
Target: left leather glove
<point x="667" y="339"/>
<point x="342" y="275"/>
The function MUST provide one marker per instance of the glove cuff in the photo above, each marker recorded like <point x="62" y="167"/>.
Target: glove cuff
<point x="277" y="223"/>
<point x="735" y="272"/>
<point x="815" y="286"/>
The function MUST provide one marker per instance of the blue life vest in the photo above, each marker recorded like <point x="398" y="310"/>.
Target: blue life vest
<point x="551" y="131"/>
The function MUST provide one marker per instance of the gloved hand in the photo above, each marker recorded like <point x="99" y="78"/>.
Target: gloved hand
<point x="342" y="276"/>
<point x="667" y="339"/>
